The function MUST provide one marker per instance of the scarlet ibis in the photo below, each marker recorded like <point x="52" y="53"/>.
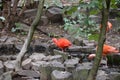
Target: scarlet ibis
<point x="109" y="26"/>
<point x="62" y="43"/>
<point x="107" y="49"/>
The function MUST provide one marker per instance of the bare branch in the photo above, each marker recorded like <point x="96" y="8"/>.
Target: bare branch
<point x="102" y="37"/>
<point x="30" y="35"/>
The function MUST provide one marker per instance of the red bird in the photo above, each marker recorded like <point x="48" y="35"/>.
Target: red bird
<point x="107" y="49"/>
<point x="62" y="43"/>
<point x="109" y="26"/>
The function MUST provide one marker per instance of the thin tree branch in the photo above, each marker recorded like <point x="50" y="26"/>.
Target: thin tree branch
<point x="29" y="37"/>
<point x="105" y="12"/>
<point x="14" y="9"/>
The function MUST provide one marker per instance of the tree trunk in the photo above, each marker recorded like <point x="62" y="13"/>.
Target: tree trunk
<point x="105" y="12"/>
<point x="29" y="37"/>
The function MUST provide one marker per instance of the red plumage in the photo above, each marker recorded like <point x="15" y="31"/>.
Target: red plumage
<point x="62" y="43"/>
<point x="109" y="26"/>
<point x="107" y="49"/>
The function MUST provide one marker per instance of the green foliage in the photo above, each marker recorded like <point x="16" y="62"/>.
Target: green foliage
<point x="70" y="10"/>
<point x="93" y="37"/>
<point x="91" y="4"/>
<point x="116" y="1"/>
<point x="79" y="27"/>
<point x="78" y="22"/>
<point x="18" y="29"/>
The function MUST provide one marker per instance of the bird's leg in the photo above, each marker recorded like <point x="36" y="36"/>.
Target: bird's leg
<point x="106" y="62"/>
<point x="62" y="50"/>
<point x="110" y="31"/>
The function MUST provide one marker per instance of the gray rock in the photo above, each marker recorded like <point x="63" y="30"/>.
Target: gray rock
<point x="69" y="3"/>
<point x="63" y="54"/>
<point x="55" y="57"/>
<point x="101" y="75"/>
<point x="44" y="20"/>
<point x="78" y="41"/>
<point x="75" y="51"/>
<point x="30" y="12"/>
<point x="71" y="62"/>
<point x="29" y="73"/>
<point x="45" y="70"/>
<point x="55" y="10"/>
<point x="90" y="43"/>
<point x="47" y="67"/>
<point x="81" y="71"/>
<point x="87" y="49"/>
<point x="33" y="79"/>
<point x="114" y="76"/>
<point x="11" y="40"/>
<point x="37" y="56"/>
<point x="19" y="46"/>
<point x="1" y="67"/>
<point x="55" y="65"/>
<point x="36" y="65"/>
<point x="61" y="75"/>
<point x="54" y="14"/>
<point x="82" y="49"/>
<point x="3" y="38"/>
<point x="75" y="48"/>
<point x="4" y="57"/>
<point x="26" y="64"/>
<point x="9" y="65"/>
<point x="24" y="78"/>
<point x="6" y="76"/>
<point x="103" y="63"/>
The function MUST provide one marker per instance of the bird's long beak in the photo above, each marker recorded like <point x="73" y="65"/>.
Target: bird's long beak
<point x="50" y="42"/>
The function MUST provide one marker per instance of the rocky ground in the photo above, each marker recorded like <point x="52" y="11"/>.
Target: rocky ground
<point x="52" y="63"/>
<point x="46" y="62"/>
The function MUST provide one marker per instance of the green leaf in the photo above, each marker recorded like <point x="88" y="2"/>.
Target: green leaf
<point x="93" y="37"/>
<point x="18" y="25"/>
<point x="93" y="12"/>
<point x="71" y="10"/>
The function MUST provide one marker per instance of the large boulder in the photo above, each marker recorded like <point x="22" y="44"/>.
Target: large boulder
<point x="54" y="14"/>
